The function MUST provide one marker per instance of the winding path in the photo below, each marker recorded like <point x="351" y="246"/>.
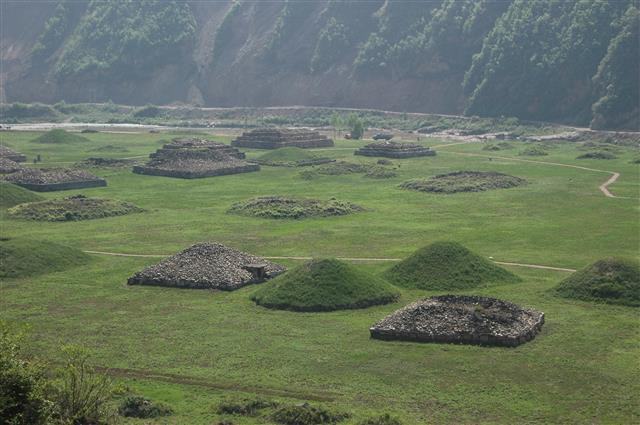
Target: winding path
<point x="352" y="259"/>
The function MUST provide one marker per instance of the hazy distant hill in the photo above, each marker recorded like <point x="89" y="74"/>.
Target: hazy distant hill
<point x="575" y="62"/>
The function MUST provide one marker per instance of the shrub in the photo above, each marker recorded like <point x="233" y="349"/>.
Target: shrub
<point x="306" y="415"/>
<point x="534" y="151"/>
<point x="139" y="407"/>
<point x="149" y="111"/>
<point x="597" y="155"/>
<point x="385" y="419"/>
<point x="245" y="407"/>
<point x="81" y="395"/>
<point x="23" y="385"/>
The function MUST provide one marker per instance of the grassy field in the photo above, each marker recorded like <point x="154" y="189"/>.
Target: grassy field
<point x="193" y="349"/>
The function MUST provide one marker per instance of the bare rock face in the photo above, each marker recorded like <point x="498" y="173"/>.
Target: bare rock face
<point x="208" y="266"/>
<point x="12" y="155"/>
<point x="48" y="180"/>
<point x="461" y="319"/>
<point x="272" y="138"/>
<point x="191" y="158"/>
<point x="391" y="149"/>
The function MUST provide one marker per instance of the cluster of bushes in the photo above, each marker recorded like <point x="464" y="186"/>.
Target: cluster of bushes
<point x="279" y="207"/>
<point x="75" y="394"/>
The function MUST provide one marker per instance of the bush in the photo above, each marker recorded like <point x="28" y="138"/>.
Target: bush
<point x="306" y="415"/>
<point x="356" y="126"/>
<point x="385" y="419"/>
<point x="597" y="155"/>
<point x="80" y="394"/>
<point x="149" y="111"/>
<point x="245" y="407"/>
<point x="534" y="151"/>
<point x="23" y="385"/>
<point x="139" y="407"/>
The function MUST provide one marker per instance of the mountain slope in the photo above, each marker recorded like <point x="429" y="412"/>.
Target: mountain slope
<point x="552" y="60"/>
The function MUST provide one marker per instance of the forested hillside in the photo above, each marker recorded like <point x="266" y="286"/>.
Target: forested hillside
<point x="575" y="62"/>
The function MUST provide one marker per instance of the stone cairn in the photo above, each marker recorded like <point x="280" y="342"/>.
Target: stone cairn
<point x="8" y="166"/>
<point x="461" y="319"/>
<point x="208" y="266"/>
<point x="391" y="149"/>
<point x="193" y="158"/>
<point x="273" y="138"/>
<point x="49" y="180"/>
<point x="12" y="155"/>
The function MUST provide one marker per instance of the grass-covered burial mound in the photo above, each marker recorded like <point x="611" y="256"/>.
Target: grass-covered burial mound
<point x="447" y="266"/>
<point x="461" y="319"/>
<point x="611" y="280"/>
<point x="23" y="257"/>
<point x="291" y="156"/>
<point x="464" y="181"/>
<point x="325" y="285"/>
<point x="58" y="136"/>
<point x="597" y="155"/>
<point x="295" y="208"/>
<point x="208" y="266"/>
<point x="72" y="208"/>
<point x="11" y="195"/>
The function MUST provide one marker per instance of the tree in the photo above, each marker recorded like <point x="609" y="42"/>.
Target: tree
<point x="356" y="126"/>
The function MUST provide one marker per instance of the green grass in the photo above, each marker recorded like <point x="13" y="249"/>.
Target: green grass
<point x="72" y="208"/>
<point x="58" y="136"/>
<point x="195" y="349"/>
<point x="279" y="207"/>
<point x="611" y="280"/>
<point x="464" y="181"/>
<point x="287" y="156"/>
<point x="23" y="257"/>
<point x="325" y="285"/>
<point x="11" y="195"/>
<point x="447" y="266"/>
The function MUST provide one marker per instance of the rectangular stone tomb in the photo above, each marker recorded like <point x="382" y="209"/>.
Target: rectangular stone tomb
<point x="391" y="149"/>
<point x="195" y="158"/>
<point x="268" y="138"/>
<point x="42" y="180"/>
<point x="8" y="153"/>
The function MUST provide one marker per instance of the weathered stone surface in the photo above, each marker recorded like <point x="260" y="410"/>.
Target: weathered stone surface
<point x="8" y="166"/>
<point x="192" y="158"/>
<point x="48" y="180"/>
<point x="461" y="319"/>
<point x="7" y="153"/>
<point x="272" y="138"/>
<point x="391" y="149"/>
<point x="208" y="266"/>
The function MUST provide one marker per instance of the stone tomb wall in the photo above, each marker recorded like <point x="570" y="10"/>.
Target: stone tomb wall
<point x="278" y="138"/>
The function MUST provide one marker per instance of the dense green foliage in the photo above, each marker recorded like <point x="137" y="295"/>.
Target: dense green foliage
<point x="324" y="285"/>
<point x="136" y="406"/>
<point x="224" y="32"/>
<point x="447" y="266"/>
<point x="23" y="384"/>
<point x="72" y="208"/>
<point x="611" y="280"/>
<point x="306" y="414"/>
<point x="59" y="136"/>
<point x="11" y="195"/>
<point x="131" y="38"/>
<point x="385" y="419"/>
<point x="23" y="257"/>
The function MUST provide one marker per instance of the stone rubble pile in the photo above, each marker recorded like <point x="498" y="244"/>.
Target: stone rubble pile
<point x="461" y="319"/>
<point x="273" y="138"/>
<point x="392" y="149"/>
<point x="47" y="180"/>
<point x="208" y="266"/>
<point x="8" y="166"/>
<point x="7" y="153"/>
<point x="195" y="158"/>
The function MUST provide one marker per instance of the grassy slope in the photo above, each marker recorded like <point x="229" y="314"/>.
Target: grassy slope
<point x="611" y="280"/>
<point x="58" y="136"/>
<point x="287" y="155"/>
<point x="325" y="285"/>
<point x="11" y="195"/>
<point x="223" y="340"/>
<point x="23" y="257"/>
<point x="447" y="266"/>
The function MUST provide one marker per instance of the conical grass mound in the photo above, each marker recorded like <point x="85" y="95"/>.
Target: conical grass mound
<point x="325" y="285"/>
<point x="22" y="257"/>
<point x="290" y="156"/>
<point x="58" y="136"/>
<point x="11" y="195"/>
<point x="611" y="280"/>
<point x="447" y="266"/>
